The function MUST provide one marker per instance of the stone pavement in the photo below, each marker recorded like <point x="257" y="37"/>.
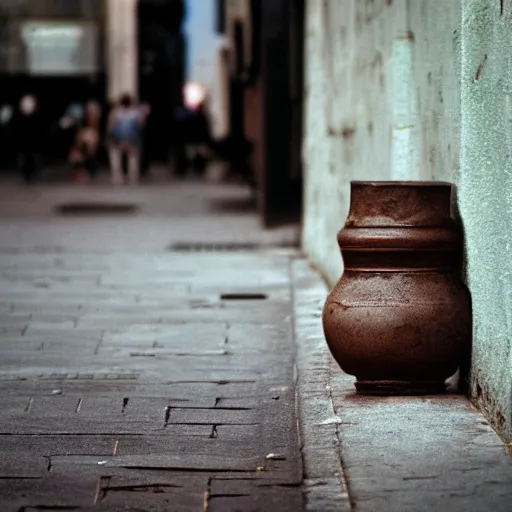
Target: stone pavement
<point x="164" y="214"/>
<point x="395" y="454"/>
<point x="171" y="358"/>
<point x="137" y="378"/>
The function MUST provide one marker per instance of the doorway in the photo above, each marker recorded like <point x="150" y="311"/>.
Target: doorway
<point x="161" y="72"/>
<point x="281" y="53"/>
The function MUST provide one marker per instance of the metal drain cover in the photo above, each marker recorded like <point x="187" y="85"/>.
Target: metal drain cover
<point x="214" y="247"/>
<point x="96" y="208"/>
<point x="244" y="296"/>
<point x="229" y="246"/>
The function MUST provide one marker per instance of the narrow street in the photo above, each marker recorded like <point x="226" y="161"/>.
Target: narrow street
<point x="139" y="372"/>
<point x="161" y="351"/>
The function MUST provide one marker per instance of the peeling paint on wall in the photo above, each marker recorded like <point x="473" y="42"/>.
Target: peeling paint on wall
<point x="485" y="199"/>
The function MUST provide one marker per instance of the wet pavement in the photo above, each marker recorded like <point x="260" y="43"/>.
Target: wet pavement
<point x="135" y="377"/>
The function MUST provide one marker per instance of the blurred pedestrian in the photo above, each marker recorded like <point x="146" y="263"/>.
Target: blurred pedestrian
<point x="28" y="131"/>
<point x="71" y="123"/>
<point x="90" y="137"/>
<point x="193" y="138"/>
<point x="84" y="122"/>
<point x="124" y="138"/>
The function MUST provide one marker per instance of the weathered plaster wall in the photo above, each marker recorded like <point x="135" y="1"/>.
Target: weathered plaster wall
<point x="419" y="90"/>
<point x="382" y="102"/>
<point x="485" y="196"/>
<point x="435" y="25"/>
<point x="347" y="126"/>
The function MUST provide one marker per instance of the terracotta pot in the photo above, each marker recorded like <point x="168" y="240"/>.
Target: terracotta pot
<point x="399" y="318"/>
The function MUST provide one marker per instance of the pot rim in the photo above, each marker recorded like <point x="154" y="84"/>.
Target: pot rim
<point x="402" y="183"/>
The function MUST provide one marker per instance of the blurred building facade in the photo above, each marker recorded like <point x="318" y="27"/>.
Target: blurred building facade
<point x="263" y="68"/>
<point x="44" y="43"/>
<point x="51" y="48"/>
<point x="95" y="49"/>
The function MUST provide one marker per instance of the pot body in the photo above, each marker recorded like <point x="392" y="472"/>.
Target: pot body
<point x="399" y="318"/>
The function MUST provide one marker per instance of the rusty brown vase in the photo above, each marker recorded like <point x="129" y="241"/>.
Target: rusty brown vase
<point x="399" y="318"/>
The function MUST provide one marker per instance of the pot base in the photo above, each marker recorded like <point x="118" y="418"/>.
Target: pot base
<point x="399" y="387"/>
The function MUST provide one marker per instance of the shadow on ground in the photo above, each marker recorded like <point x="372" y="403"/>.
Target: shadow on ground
<point x="233" y="205"/>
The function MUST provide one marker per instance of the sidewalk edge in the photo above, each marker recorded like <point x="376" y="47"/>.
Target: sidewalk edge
<point x="324" y="480"/>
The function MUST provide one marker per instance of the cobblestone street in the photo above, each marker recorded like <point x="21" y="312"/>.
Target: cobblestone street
<point x="135" y="377"/>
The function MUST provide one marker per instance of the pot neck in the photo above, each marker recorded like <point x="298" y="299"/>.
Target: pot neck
<point x="399" y="204"/>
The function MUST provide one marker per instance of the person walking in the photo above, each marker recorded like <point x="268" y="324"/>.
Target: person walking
<point x="28" y="131"/>
<point x="124" y="139"/>
<point x="193" y="140"/>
